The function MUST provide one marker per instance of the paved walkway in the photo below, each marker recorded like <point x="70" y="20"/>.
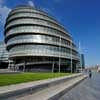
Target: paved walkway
<point x="10" y="88"/>
<point x="87" y="90"/>
<point x="47" y="93"/>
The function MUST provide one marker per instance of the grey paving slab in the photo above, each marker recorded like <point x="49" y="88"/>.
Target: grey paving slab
<point x="32" y="87"/>
<point x="15" y="87"/>
<point x="49" y="92"/>
<point x="87" y="90"/>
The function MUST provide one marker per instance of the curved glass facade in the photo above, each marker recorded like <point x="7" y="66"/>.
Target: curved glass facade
<point x="33" y="34"/>
<point x="37" y="29"/>
<point x="34" y="21"/>
<point x="31" y="15"/>
<point x="3" y="52"/>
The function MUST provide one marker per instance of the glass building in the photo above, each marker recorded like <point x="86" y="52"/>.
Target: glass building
<point x="3" y="56"/>
<point x="82" y="61"/>
<point x="36" y="41"/>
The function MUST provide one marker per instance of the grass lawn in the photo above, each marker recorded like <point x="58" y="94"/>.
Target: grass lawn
<point x="8" y="79"/>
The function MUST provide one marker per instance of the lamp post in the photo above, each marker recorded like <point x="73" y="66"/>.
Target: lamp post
<point x="59" y="53"/>
<point x="53" y="67"/>
<point x="80" y="52"/>
<point x="71" y="57"/>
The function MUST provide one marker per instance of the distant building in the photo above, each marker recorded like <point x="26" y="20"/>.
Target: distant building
<point x="82" y="61"/>
<point x="36" y="41"/>
<point x="3" y="56"/>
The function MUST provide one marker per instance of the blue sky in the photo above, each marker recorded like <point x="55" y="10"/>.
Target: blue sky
<point x="80" y="17"/>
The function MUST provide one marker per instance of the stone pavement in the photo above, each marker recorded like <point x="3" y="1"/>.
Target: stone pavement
<point x="49" y="92"/>
<point x="89" y="89"/>
<point x="15" y="87"/>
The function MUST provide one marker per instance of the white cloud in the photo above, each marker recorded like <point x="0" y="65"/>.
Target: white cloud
<point x="4" y="10"/>
<point x="46" y="10"/>
<point x="31" y="3"/>
<point x="1" y="1"/>
<point x="3" y="13"/>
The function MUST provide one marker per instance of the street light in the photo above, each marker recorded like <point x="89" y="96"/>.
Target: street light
<point x="53" y="66"/>
<point x="71" y="56"/>
<point x="59" y="53"/>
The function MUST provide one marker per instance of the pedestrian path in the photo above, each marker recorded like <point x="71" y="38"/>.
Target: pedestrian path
<point x="10" y="88"/>
<point x="87" y="90"/>
<point x="50" y="92"/>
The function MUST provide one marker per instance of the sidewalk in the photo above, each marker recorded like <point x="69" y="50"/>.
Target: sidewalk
<point x="14" y="90"/>
<point x="54" y="92"/>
